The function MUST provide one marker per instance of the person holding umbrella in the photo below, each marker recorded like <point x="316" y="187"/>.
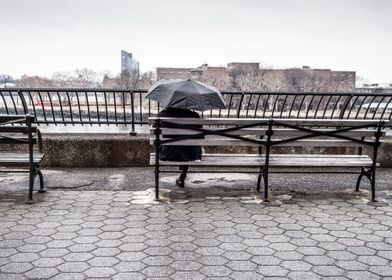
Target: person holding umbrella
<point x="179" y="98"/>
<point x="180" y="153"/>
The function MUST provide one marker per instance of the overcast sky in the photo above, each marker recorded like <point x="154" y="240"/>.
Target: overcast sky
<point x="39" y="37"/>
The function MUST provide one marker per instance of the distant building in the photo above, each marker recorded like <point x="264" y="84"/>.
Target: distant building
<point x="375" y="87"/>
<point x="378" y="85"/>
<point x="128" y="63"/>
<point x="246" y="67"/>
<point x="6" y="81"/>
<point x="166" y="73"/>
<point x="248" y="76"/>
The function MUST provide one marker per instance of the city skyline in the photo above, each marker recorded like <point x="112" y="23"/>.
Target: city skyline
<point x="43" y="37"/>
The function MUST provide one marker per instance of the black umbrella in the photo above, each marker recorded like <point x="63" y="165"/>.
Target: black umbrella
<point x="186" y="94"/>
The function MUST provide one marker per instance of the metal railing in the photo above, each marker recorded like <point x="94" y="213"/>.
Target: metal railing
<point x="59" y="106"/>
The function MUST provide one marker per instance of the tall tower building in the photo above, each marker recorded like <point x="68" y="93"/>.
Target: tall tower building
<point x="129" y="64"/>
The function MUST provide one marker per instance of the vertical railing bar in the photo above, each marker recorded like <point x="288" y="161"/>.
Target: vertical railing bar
<point x="326" y="106"/>
<point x="42" y="106"/>
<point x="300" y="105"/>
<point x="247" y="107"/>
<point x="5" y="103"/>
<point x="336" y="105"/>
<point x="284" y="104"/>
<point x="257" y="105"/>
<point x="311" y="101"/>
<point x="318" y="105"/>
<point x="61" y="107"/>
<point x="13" y="103"/>
<point x="32" y="103"/>
<point x="228" y="111"/>
<point x="367" y="110"/>
<point x="141" y="108"/>
<point x="379" y="103"/>
<point x="386" y="107"/>
<point x="115" y="107"/>
<point x="390" y="116"/>
<point x="265" y="104"/>
<point x="51" y="107"/>
<point x="88" y="108"/>
<point x="240" y="105"/>
<point x="79" y="107"/>
<point x="123" y="103"/>
<point x="292" y="105"/>
<point x="346" y="103"/>
<point x="273" y="107"/>
<point x="352" y="106"/>
<point x="106" y="107"/>
<point x="70" y="107"/>
<point x="360" y="106"/>
<point x="96" y="103"/>
<point x="24" y="104"/>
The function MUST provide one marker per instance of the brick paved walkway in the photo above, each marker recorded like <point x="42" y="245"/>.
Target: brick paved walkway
<point x="222" y="235"/>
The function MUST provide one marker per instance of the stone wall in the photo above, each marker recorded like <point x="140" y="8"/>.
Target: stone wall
<point x="130" y="151"/>
<point x="127" y="151"/>
<point x="96" y="151"/>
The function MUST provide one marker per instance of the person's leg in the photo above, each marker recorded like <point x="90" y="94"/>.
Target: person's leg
<point x="180" y="182"/>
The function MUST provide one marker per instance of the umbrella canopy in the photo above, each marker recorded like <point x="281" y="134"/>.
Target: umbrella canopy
<point x="186" y="94"/>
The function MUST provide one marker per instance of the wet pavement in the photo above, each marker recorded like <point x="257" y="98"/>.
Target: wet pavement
<point x="104" y="224"/>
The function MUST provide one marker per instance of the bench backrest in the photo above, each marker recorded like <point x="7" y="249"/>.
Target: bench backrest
<point x="19" y="130"/>
<point x="262" y="132"/>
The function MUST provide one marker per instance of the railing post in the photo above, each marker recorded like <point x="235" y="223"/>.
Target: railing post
<point x="133" y="132"/>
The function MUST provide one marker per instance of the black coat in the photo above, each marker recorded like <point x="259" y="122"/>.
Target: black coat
<point x="179" y="153"/>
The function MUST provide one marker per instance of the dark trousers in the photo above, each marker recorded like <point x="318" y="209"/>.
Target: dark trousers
<point x="183" y="169"/>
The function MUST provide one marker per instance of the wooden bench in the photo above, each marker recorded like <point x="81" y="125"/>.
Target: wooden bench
<point x="266" y="134"/>
<point x="18" y="132"/>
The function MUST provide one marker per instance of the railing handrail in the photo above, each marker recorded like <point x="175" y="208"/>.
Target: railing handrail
<point x="223" y="92"/>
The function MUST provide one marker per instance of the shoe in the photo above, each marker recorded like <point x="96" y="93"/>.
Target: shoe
<point x="180" y="183"/>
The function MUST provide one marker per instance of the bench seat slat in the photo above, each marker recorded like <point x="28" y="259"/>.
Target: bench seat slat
<point x="234" y="142"/>
<point x="240" y="160"/>
<point x="288" y="160"/>
<point x="276" y="160"/>
<point x="19" y="159"/>
<point x="17" y="140"/>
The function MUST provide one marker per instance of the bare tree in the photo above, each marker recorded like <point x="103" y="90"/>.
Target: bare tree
<point x="130" y="78"/>
<point x="147" y="80"/>
<point x="235" y="73"/>
<point x="61" y="79"/>
<point x="86" y="78"/>
<point x="295" y="79"/>
<point x="33" y="82"/>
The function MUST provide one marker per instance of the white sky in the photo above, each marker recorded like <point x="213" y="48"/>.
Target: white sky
<point x="39" y="37"/>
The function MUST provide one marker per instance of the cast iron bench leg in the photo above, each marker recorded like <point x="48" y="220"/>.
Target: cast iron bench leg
<point x="41" y="182"/>
<point x="31" y="186"/>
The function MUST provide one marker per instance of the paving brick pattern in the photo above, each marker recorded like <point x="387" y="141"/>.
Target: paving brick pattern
<point x="123" y="235"/>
